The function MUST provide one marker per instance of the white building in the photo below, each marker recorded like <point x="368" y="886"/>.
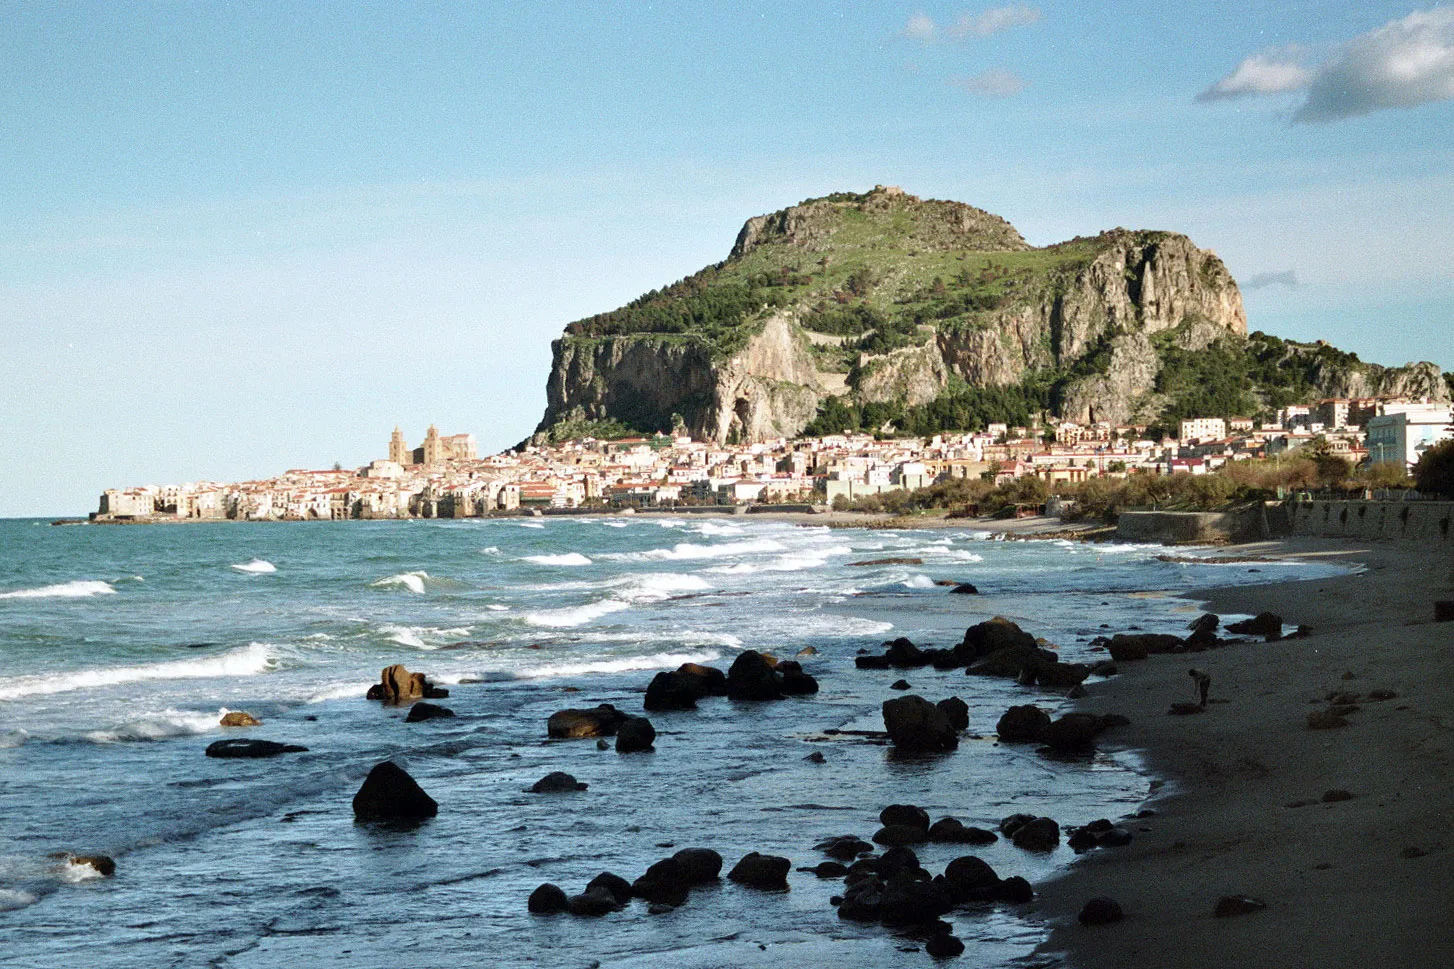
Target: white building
<point x="1203" y="429"/>
<point x="1405" y="433"/>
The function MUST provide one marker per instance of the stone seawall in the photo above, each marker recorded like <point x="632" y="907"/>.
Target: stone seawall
<point x="1192" y="527"/>
<point x="1424" y="522"/>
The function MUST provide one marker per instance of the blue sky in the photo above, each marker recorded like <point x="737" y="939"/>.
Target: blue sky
<point x="239" y="238"/>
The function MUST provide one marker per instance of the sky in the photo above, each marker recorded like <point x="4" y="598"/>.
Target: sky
<point x="238" y="238"/>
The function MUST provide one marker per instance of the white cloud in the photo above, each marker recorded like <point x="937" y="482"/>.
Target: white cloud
<point x="1402" y="64"/>
<point x="995" y="20"/>
<point x="920" y="27"/>
<point x="1287" y="277"/>
<point x="1268" y="72"/>
<point x="996" y="82"/>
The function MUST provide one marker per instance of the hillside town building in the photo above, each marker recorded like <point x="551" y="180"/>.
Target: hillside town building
<point x="444" y="477"/>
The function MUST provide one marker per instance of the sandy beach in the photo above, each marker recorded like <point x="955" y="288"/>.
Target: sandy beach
<point x="1348" y="881"/>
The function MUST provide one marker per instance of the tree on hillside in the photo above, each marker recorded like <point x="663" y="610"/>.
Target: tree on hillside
<point x="1435" y="471"/>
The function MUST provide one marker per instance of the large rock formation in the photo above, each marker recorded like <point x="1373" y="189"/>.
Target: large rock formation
<point x="948" y="294"/>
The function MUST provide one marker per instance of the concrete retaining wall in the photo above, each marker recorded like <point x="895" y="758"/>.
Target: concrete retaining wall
<point x="1424" y="522"/>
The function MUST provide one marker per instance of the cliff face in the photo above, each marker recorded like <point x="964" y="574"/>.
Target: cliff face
<point x="885" y="297"/>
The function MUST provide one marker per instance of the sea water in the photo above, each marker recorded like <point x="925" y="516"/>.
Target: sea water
<point x="123" y="646"/>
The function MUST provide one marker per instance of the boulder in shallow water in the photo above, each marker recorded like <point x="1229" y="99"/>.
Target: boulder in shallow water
<point x="390" y="794"/>
<point x="665" y="882"/>
<point x="900" y="834"/>
<point x="794" y="681"/>
<point x="964" y="589"/>
<point x="1022" y="724"/>
<point x="768" y="872"/>
<point x="1125" y="647"/>
<point x="670" y="690"/>
<point x="427" y="711"/>
<point x="593" y="903"/>
<point x="989" y="637"/>
<point x="1039" y="834"/>
<point x="556" y="782"/>
<point x="239" y="718"/>
<point x="104" y="865"/>
<point x="1074" y="733"/>
<point x="956" y="710"/>
<point x="699" y="865"/>
<point x="602" y="721"/>
<point x="918" y="726"/>
<point x="548" y="899"/>
<point x="954" y="831"/>
<point x="944" y="945"/>
<point x="397" y="685"/>
<point x="845" y="847"/>
<point x="243" y="747"/>
<point x="752" y="677"/>
<point x="619" y="887"/>
<point x="910" y="815"/>
<point x="636" y="734"/>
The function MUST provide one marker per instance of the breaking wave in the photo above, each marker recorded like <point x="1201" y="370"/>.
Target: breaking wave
<point x="569" y="558"/>
<point x="575" y="615"/>
<point x="244" y="661"/>
<point x="256" y="567"/>
<point x="413" y="581"/>
<point x="66" y="590"/>
<point x="160" y="726"/>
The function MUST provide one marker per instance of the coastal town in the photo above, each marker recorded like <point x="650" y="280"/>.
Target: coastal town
<point x="444" y="477"/>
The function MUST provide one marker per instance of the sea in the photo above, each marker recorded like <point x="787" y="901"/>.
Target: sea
<point x="122" y="647"/>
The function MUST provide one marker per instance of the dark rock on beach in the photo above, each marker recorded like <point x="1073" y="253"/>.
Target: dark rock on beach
<point x="900" y="834"/>
<point x="916" y="725"/>
<point x="844" y="847"/>
<point x="603" y="721"/>
<point x="1229" y="905"/>
<point x="665" y="882"/>
<point x="242" y="747"/>
<point x="944" y="945"/>
<point x="390" y="794"/>
<point x="548" y="899"/>
<point x="964" y="589"/>
<point x="427" y="711"/>
<point x="1125" y="647"/>
<point x="556" y="782"/>
<point x="769" y="872"/>
<point x="635" y="734"/>
<point x="971" y="879"/>
<point x="1265" y="624"/>
<point x="681" y="688"/>
<point x="1101" y="911"/>
<point x="887" y="561"/>
<point x="827" y="869"/>
<point x="397" y="685"/>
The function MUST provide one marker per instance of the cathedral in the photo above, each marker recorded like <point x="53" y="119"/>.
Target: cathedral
<point x="434" y="450"/>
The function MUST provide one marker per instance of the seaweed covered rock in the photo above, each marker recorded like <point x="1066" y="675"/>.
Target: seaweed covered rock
<point x="397" y="686"/>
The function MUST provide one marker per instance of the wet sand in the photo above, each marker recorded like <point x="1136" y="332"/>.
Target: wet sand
<point x="1348" y="883"/>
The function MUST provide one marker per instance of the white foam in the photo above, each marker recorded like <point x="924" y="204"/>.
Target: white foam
<point x="414" y="635"/>
<point x="918" y="582"/>
<point x="687" y="551"/>
<point x="658" y="585"/>
<point x="160" y="726"/>
<point x="491" y="550"/>
<point x="569" y="558"/>
<point x="13" y="738"/>
<point x="532" y="524"/>
<point x="244" y="661"/>
<point x="341" y="691"/>
<point x="256" y="567"/>
<point x="73" y="872"/>
<point x="575" y="615"/>
<point x="494" y="607"/>
<point x="79" y="589"/>
<point x="413" y="581"/>
<point x="713" y="528"/>
<point x="11" y="900"/>
<point x="624" y="664"/>
<point x="403" y="635"/>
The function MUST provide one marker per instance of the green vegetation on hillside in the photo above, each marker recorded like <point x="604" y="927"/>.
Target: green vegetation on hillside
<point x="962" y="408"/>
